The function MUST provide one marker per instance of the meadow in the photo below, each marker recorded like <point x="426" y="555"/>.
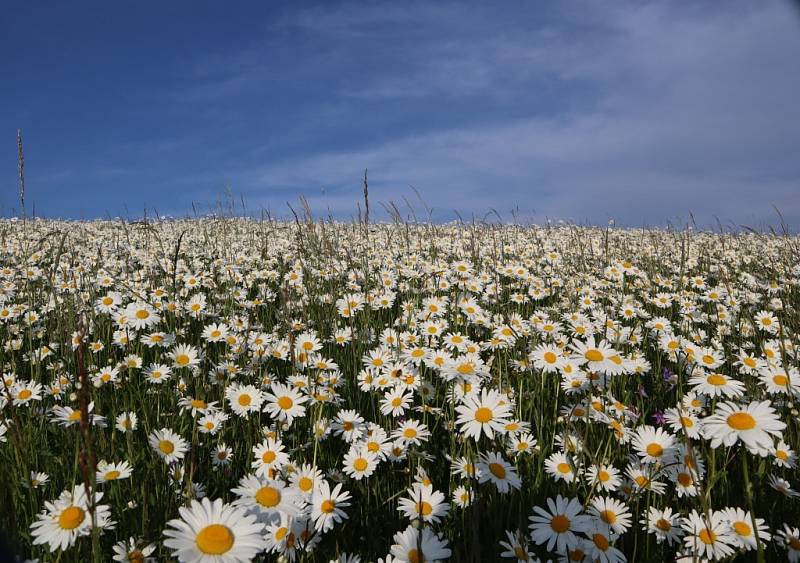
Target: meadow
<point x="225" y="389"/>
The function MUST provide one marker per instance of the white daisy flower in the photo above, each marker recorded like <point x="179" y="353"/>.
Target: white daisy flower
<point x="68" y="518"/>
<point x="214" y="532"/>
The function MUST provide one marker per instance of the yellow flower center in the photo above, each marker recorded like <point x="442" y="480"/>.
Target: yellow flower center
<point x="655" y="450"/>
<point x="285" y="403"/>
<point x="608" y="516"/>
<point x="305" y="484"/>
<point x="424" y="508"/>
<point x="550" y="357"/>
<point x="166" y="446"/>
<point x="111" y="475"/>
<point x="741" y="421"/>
<point x="559" y="523"/>
<point x="716" y="379"/>
<point x="707" y="536"/>
<point x="268" y="496"/>
<point x="563" y="467"/>
<point x="198" y="404"/>
<point x="327" y="506"/>
<point x="244" y="400"/>
<point x="497" y="470"/>
<point x="24" y="394"/>
<point x="663" y="525"/>
<point x="465" y="369"/>
<point x="577" y="555"/>
<point x="182" y="360"/>
<point x="215" y="539"/>
<point x="483" y="415"/>
<point x="360" y="464"/>
<point x="600" y="541"/>
<point x="142" y="314"/>
<point x="742" y="528"/>
<point x="594" y="355"/>
<point x="268" y="457"/>
<point x="71" y="518"/>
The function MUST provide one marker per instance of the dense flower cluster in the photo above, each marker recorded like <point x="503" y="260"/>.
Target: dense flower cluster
<point x="231" y="390"/>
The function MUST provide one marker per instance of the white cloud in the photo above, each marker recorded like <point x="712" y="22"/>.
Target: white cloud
<point x="678" y="110"/>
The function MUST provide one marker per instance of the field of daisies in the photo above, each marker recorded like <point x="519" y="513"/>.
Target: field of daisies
<point x="228" y="390"/>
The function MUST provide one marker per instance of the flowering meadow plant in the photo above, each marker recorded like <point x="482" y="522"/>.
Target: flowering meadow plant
<point x="226" y="390"/>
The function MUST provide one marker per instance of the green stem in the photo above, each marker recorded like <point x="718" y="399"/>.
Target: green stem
<point x="748" y="488"/>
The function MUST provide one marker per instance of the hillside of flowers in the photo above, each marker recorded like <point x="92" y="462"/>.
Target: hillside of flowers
<point x="226" y="390"/>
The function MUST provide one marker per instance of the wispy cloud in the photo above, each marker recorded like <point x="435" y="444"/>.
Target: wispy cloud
<point x="683" y="111"/>
<point x="585" y="110"/>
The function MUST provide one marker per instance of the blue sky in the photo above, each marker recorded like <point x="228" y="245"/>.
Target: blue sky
<point x="584" y="111"/>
